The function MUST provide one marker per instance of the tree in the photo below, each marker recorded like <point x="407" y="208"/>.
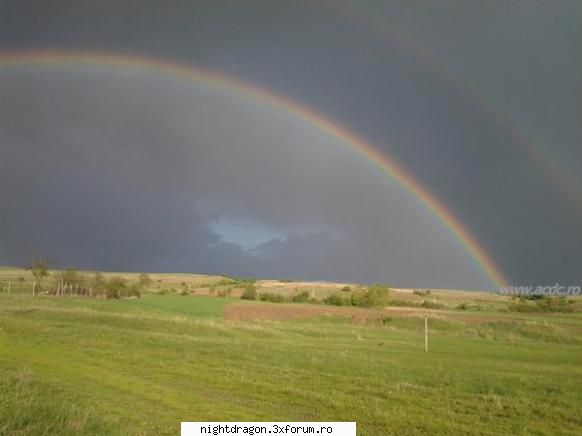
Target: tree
<point x="250" y="293"/>
<point x="69" y="280"/>
<point x="97" y="285"/>
<point x="40" y="270"/>
<point x="374" y="296"/>
<point x="115" y="287"/>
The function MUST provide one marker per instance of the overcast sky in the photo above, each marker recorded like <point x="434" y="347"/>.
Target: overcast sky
<point x="133" y="170"/>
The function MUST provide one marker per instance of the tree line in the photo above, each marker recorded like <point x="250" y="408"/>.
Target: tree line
<point x="71" y="282"/>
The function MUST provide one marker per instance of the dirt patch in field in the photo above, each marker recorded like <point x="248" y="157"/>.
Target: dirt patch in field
<point x="283" y="312"/>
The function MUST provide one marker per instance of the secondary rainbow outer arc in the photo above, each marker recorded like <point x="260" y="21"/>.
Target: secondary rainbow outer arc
<point x="385" y="163"/>
<point x="558" y="172"/>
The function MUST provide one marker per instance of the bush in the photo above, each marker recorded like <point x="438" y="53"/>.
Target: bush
<point x="346" y="289"/>
<point x="250" y="293"/>
<point x="115" y="287"/>
<point x="302" y="297"/>
<point x="377" y="296"/>
<point x="336" y="300"/>
<point x="374" y="296"/>
<point x="273" y="298"/>
<point x="144" y="280"/>
<point x="462" y="306"/>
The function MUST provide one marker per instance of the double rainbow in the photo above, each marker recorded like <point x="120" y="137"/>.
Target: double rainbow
<point x="210" y="78"/>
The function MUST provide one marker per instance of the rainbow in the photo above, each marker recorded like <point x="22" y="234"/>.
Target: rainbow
<point x="327" y="126"/>
<point x="556" y="171"/>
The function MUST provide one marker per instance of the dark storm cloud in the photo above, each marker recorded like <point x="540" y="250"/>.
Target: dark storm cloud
<point x="127" y="171"/>
<point x="523" y="57"/>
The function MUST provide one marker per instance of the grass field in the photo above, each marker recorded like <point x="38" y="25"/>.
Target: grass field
<point x="140" y="366"/>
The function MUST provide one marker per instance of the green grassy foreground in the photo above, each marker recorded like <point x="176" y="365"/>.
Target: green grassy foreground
<point x="82" y="366"/>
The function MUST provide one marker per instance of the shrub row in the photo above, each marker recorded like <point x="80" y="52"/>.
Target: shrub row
<point x="70" y="282"/>
<point x="425" y="304"/>
<point x="373" y="296"/>
<point x="250" y="293"/>
<point x="546" y="304"/>
<point x="273" y="298"/>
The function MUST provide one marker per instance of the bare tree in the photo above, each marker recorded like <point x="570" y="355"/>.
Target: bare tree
<point x="40" y="270"/>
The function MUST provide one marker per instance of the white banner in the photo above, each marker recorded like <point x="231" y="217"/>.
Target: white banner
<point x="269" y="428"/>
